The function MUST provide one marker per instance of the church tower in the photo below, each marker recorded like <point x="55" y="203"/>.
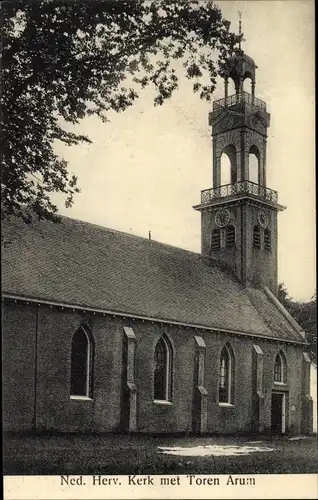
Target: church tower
<point x="239" y="217"/>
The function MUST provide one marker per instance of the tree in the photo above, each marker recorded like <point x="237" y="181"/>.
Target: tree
<point x="64" y="60"/>
<point x="305" y="313"/>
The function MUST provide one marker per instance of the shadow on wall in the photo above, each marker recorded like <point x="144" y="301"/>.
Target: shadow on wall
<point x="313" y="393"/>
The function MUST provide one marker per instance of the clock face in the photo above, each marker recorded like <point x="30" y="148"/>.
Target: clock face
<point x="262" y="218"/>
<point x="222" y="217"/>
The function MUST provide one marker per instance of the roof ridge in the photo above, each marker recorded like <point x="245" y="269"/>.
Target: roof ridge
<point x="105" y="228"/>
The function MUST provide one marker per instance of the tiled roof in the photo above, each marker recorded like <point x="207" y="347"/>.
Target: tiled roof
<point x="79" y="263"/>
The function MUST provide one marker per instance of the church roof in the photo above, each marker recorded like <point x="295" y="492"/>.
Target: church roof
<point x="82" y="264"/>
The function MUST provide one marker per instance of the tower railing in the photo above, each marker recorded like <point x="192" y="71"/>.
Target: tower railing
<point x="241" y="97"/>
<point x="237" y="188"/>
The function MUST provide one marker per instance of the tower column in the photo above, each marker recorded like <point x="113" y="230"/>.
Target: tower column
<point x="226" y="88"/>
<point x="263" y="178"/>
<point x="241" y="81"/>
<point x="253" y="88"/>
<point x="216" y="166"/>
<point x="217" y="173"/>
<point x="244" y="174"/>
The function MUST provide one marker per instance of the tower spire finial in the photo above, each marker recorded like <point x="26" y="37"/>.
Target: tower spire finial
<point x="240" y="27"/>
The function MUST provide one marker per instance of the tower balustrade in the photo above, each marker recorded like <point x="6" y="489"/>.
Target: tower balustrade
<point x="239" y="188"/>
<point x="234" y="100"/>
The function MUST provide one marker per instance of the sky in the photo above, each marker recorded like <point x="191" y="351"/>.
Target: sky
<point x="147" y="166"/>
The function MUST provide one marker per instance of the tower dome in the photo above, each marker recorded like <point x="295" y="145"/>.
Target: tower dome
<point x="238" y="68"/>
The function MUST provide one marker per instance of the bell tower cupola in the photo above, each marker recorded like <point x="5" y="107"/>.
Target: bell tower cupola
<point x="239" y="214"/>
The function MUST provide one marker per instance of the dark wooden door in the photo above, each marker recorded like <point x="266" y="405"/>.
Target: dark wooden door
<point x="277" y="413"/>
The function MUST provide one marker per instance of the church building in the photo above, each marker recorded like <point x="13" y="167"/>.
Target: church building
<point x="105" y="331"/>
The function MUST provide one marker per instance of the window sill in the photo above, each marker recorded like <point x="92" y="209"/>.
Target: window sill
<point x="162" y="402"/>
<point x="80" y="398"/>
<point x="228" y="405"/>
<point x="279" y="383"/>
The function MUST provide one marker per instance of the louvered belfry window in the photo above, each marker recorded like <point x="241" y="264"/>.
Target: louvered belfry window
<point x="216" y="239"/>
<point x="257" y="237"/>
<point x="230" y="236"/>
<point x="267" y="240"/>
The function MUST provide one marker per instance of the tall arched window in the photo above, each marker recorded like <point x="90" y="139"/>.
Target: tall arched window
<point x="280" y="369"/>
<point x="81" y="363"/>
<point x="228" y="165"/>
<point x="230" y="236"/>
<point x="267" y="240"/>
<point x="253" y="165"/>
<point x="226" y="380"/>
<point x="231" y="87"/>
<point x="163" y="370"/>
<point x="257" y="237"/>
<point x="216" y="239"/>
<point x="247" y="84"/>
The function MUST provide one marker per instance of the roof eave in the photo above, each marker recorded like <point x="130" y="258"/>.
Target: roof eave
<point x="285" y="313"/>
<point x="37" y="301"/>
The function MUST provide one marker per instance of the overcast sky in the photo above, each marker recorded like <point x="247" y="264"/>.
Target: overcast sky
<point x="145" y="169"/>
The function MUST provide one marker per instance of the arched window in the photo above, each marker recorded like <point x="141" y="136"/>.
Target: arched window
<point x="228" y="165"/>
<point x="280" y="369"/>
<point x="267" y="240"/>
<point x="247" y="84"/>
<point x="231" y="90"/>
<point x="81" y="363"/>
<point x="230" y="236"/>
<point x="253" y="164"/>
<point x="226" y="382"/>
<point x="257" y="237"/>
<point x="216" y="239"/>
<point x="163" y="370"/>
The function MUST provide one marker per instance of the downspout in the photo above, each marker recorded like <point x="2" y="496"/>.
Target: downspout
<point x="35" y="369"/>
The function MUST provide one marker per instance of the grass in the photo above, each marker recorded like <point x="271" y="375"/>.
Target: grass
<point x="136" y="454"/>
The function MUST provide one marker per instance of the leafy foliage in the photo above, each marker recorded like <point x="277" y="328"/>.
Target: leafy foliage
<point x="305" y="313"/>
<point x="64" y="60"/>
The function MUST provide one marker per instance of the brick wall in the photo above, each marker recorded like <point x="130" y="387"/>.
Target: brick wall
<point x="18" y="361"/>
<point x="56" y="411"/>
<point x="257" y="266"/>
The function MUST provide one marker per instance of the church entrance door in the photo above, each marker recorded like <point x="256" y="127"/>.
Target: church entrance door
<point x="278" y="424"/>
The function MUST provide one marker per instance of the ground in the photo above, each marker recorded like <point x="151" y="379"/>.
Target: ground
<point x="119" y="454"/>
